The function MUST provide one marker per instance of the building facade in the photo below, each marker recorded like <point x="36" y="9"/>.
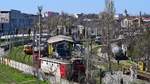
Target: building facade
<point x="50" y="13"/>
<point x="18" y="22"/>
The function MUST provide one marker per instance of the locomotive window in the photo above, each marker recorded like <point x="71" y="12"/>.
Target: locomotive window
<point x="78" y="62"/>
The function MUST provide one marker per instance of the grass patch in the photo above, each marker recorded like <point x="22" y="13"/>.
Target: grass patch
<point x="116" y="67"/>
<point x="95" y="49"/>
<point x="17" y="54"/>
<point x="12" y="76"/>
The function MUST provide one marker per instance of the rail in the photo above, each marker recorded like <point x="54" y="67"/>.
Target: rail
<point x="143" y="75"/>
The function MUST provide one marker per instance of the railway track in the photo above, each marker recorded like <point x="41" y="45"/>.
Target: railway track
<point x="143" y="75"/>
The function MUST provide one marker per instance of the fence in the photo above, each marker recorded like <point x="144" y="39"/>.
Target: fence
<point x="17" y="65"/>
<point x="30" y="70"/>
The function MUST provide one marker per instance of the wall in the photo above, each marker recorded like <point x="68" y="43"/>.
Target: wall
<point x="17" y="65"/>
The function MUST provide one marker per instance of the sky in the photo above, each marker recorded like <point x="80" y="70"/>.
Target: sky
<point x="75" y="6"/>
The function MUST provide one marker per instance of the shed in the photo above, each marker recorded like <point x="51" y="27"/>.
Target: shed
<point x="62" y="44"/>
<point x="59" y="38"/>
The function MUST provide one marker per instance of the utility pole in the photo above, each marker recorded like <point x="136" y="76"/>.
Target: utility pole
<point x="10" y="40"/>
<point x="87" y="54"/>
<point x="39" y="45"/>
<point x="85" y="39"/>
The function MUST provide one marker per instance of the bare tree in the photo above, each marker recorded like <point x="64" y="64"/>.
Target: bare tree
<point x="51" y="23"/>
<point x="107" y="33"/>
